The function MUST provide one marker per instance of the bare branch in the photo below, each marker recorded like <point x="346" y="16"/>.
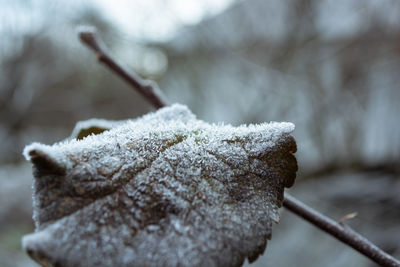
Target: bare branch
<point x="148" y="89"/>
<point x="340" y="231"/>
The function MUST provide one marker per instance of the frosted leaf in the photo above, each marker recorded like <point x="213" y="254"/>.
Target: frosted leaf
<point x="162" y="190"/>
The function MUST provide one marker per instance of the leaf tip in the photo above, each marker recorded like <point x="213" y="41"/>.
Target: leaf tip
<point x="35" y="249"/>
<point x="43" y="159"/>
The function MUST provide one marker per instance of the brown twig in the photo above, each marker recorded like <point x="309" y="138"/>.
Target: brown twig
<point x="339" y="231"/>
<point x="148" y="89"/>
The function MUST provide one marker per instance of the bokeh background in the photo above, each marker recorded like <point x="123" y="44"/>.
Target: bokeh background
<point x="330" y="66"/>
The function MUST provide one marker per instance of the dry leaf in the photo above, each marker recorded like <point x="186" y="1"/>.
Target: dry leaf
<point x="162" y="190"/>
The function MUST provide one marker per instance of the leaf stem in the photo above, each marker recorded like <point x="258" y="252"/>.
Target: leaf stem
<point x="151" y="92"/>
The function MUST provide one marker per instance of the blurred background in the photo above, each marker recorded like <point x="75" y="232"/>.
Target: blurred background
<point x="330" y="66"/>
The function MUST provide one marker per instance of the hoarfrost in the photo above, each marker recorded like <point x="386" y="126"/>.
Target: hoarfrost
<point x="162" y="190"/>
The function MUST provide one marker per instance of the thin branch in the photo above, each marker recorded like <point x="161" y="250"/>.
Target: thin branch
<point x="148" y="89"/>
<point x="339" y="231"/>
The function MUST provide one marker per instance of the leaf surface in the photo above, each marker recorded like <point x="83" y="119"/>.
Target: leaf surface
<point x="166" y="189"/>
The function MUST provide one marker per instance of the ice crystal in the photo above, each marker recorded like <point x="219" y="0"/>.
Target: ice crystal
<point x="162" y="190"/>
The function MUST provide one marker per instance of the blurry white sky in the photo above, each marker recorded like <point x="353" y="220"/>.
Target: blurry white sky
<point x="140" y="19"/>
<point x="158" y="19"/>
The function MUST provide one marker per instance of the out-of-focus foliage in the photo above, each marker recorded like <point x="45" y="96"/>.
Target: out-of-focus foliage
<point x="49" y="80"/>
<point x="332" y="72"/>
<point x="329" y="66"/>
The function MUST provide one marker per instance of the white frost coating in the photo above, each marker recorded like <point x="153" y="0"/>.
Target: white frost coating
<point x="55" y="154"/>
<point x="28" y="241"/>
<point x="165" y="124"/>
<point x="163" y="189"/>
<point x="99" y="123"/>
